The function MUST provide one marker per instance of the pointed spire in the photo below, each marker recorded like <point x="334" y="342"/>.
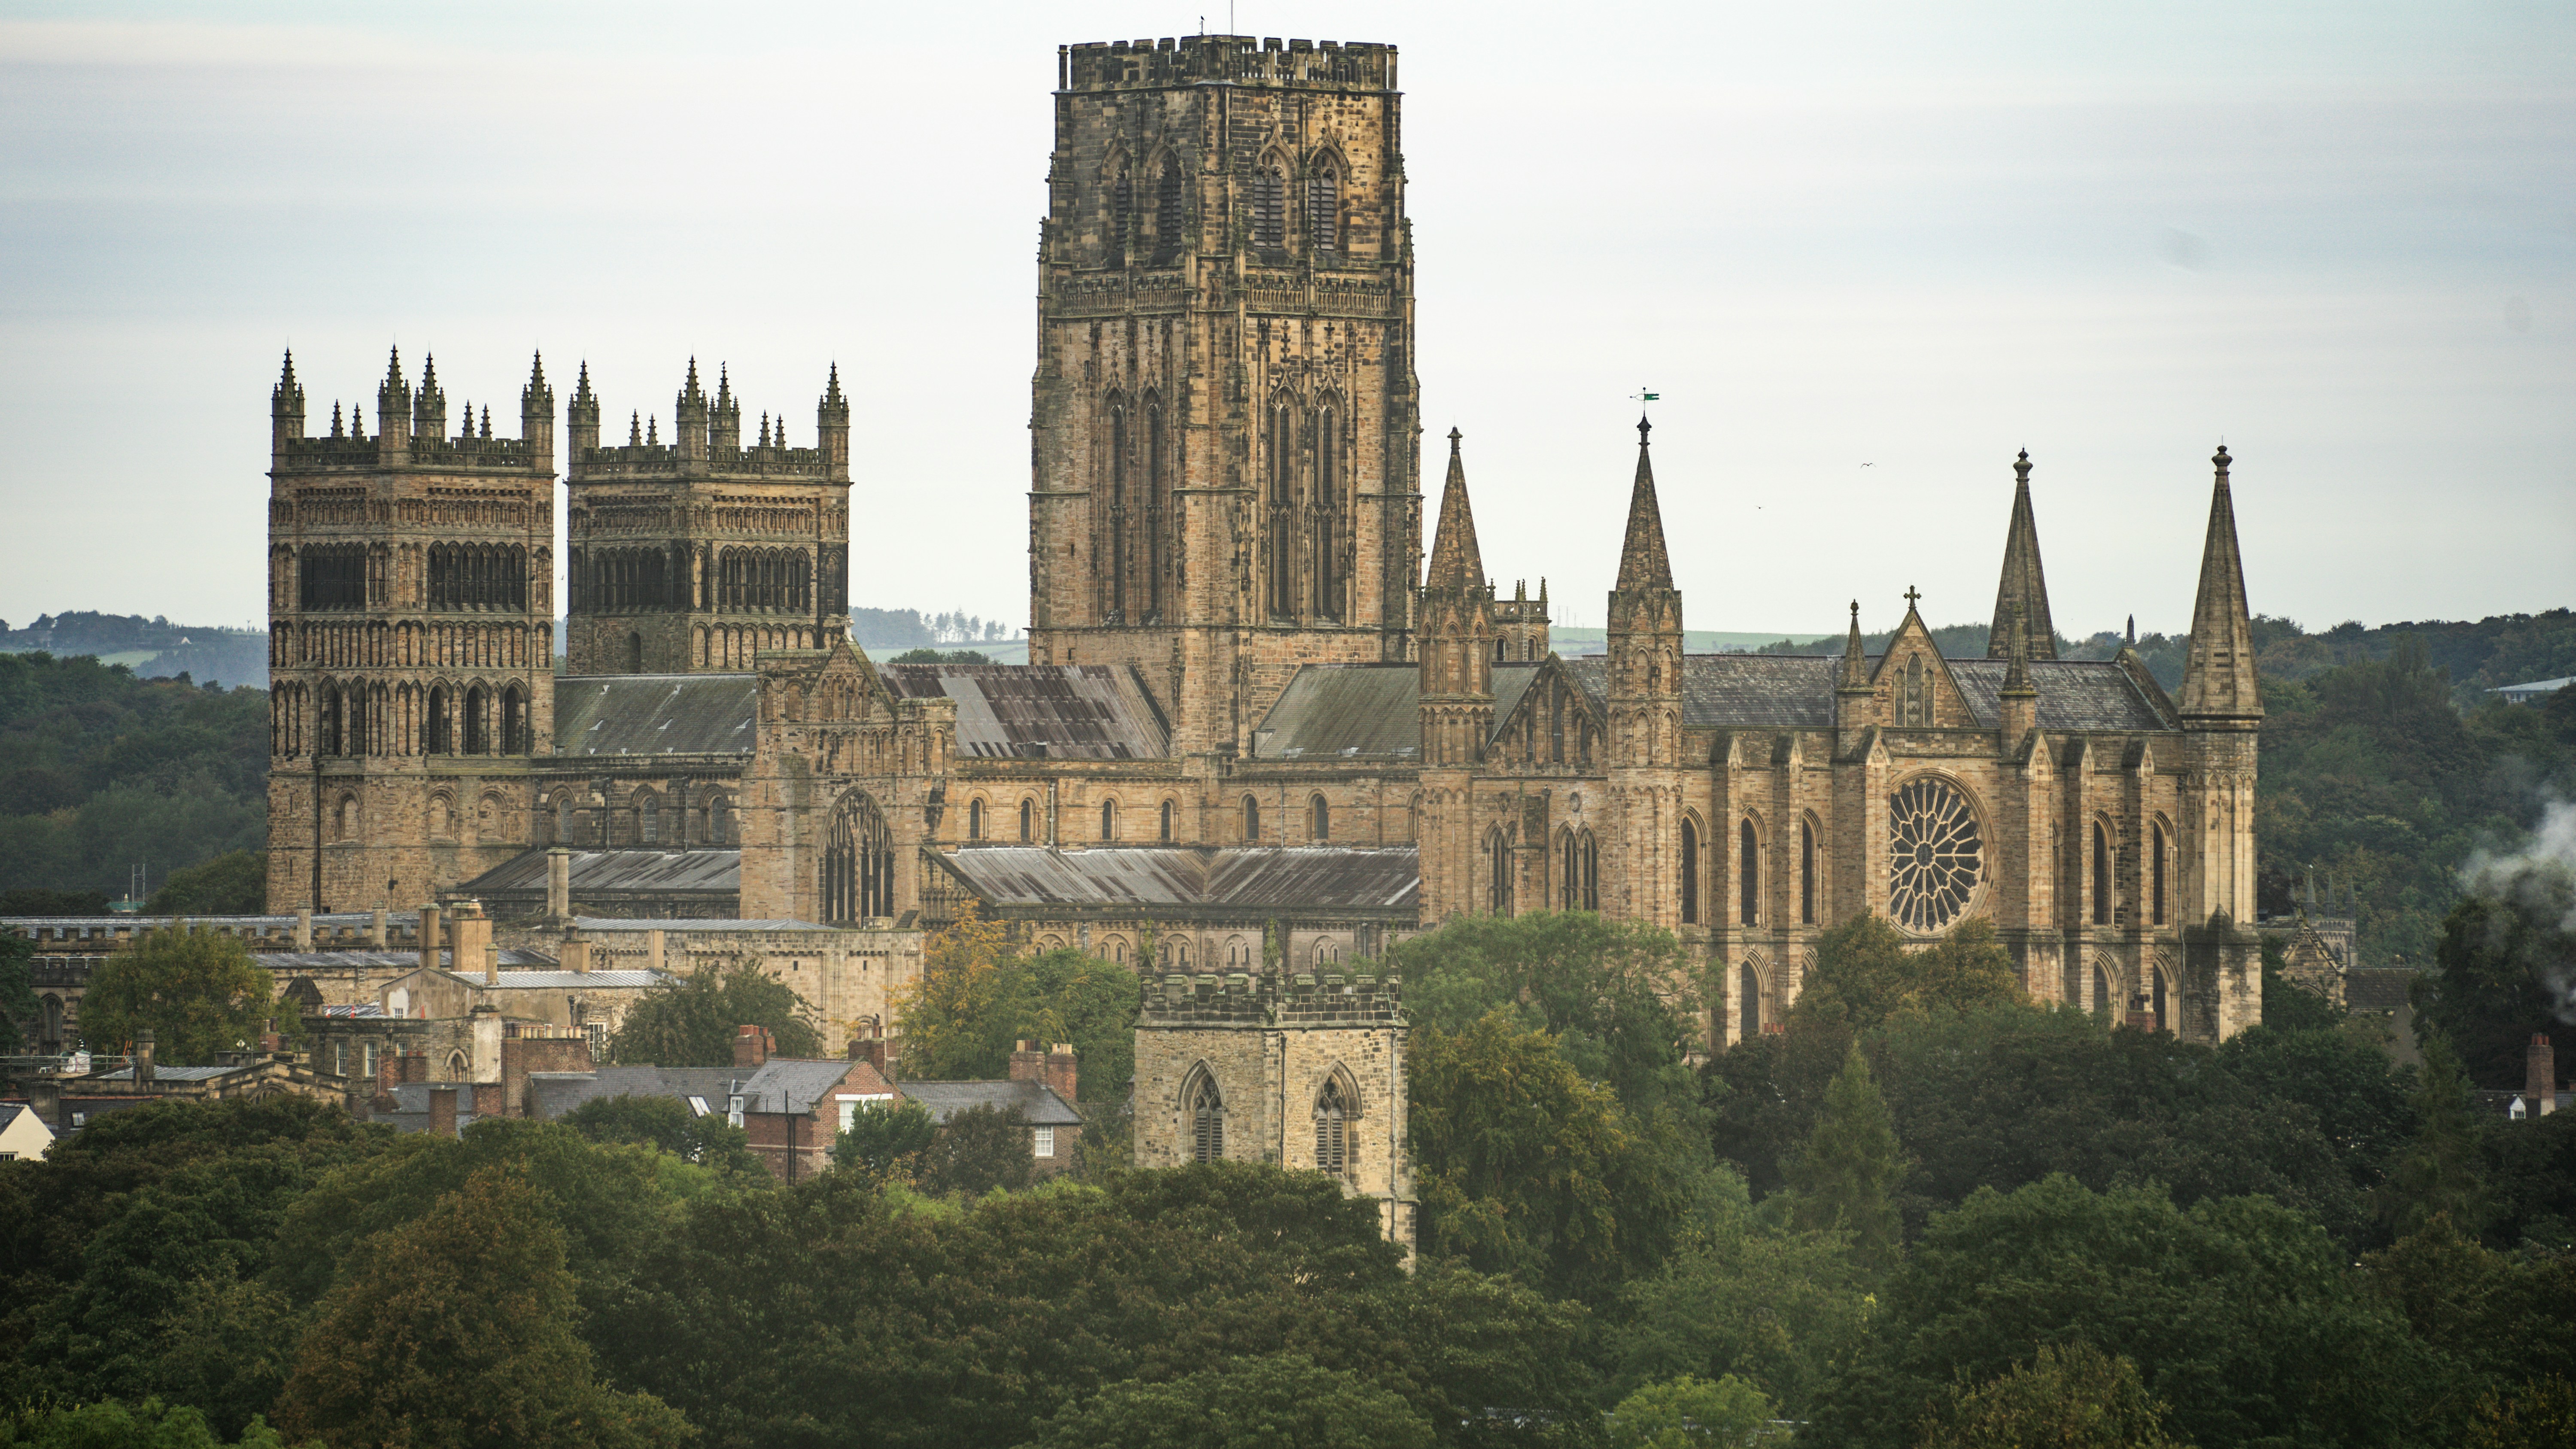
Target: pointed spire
<point x="2133" y="631"/>
<point x="2024" y="587"/>
<point x="724" y="386"/>
<point x="465" y="424"/>
<point x="692" y="393"/>
<point x="764" y="429"/>
<point x="1855" y="663"/>
<point x="2017" y="672"/>
<point x="487" y="421"/>
<point x="338" y="429"/>
<point x="653" y="432"/>
<point x="1643" y="562"/>
<point x="581" y="390"/>
<point x="357" y="422"/>
<point x="2219" y="680"/>
<point x="286" y="377"/>
<point x="635" y="429"/>
<point x="537" y="370"/>
<point x="832" y="388"/>
<point x="393" y="368"/>
<point x="1456" y="562"/>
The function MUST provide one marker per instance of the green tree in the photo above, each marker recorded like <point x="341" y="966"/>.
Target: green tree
<point x="1686" y="1412"/>
<point x="197" y="992"/>
<point x="1277" y="1401"/>
<point x="667" y="1125"/>
<point x="886" y="1142"/>
<point x="2288" y="1006"/>
<point x="459" y="1331"/>
<point x="2489" y="1321"/>
<point x="149" y="1425"/>
<point x="1527" y="1168"/>
<point x="1845" y="1179"/>
<point x="1780" y="1309"/>
<point x="2241" y="1313"/>
<point x="2071" y="1396"/>
<point x="19" y="1008"/>
<point x="2440" y="1172"/>
<point x="1622" y="998"/>
<point x="1866" y="973"/>
<point x="232" y="884"/>
<point x="977" y="1151"/>
<point x="977" y="998"/>
<point x="2501" y="974"/>
<point x="2537" y="1414"/>
<point x="691" y="1021"/>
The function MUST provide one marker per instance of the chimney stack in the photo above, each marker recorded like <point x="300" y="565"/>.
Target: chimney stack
<point x="559" y="884"/>
<point x="430" y="944"/>
<point x="576" y="957"/>
<point x="415" y="1066"/>
<point x="304" y="929"/>
<point x="1028" y="1064"/>
<point x="442" y="1110"/>
<point x="143" y="1056"/>
<point x="1060" y="1071"/>
<point x="751" y="1047"/>
<point x="2540" y="1075"/>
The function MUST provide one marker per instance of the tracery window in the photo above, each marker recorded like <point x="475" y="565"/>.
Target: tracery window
<point x="1936" y="855"/>
<point x="1207" y="1120"/>
<point x="1806" y="873"/>
<point x="1269" y="208"/>
<point x="2157" y="871"/>
<point x="1332" y="1139"/>
<point x="1324" y="207"/>
<point x="858" y="863"/>
<point x="1749" y="876"/>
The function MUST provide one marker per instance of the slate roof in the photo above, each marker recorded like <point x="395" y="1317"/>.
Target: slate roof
<point x="170" y="1074"/>
<point x="556" y="1093"/>
<point x="411" y="1106"/>
<point x="2377" y="988"/>
<point x="792" y="1084"/>
<point x="349" y="960"/>
<point x="1249" y="878"/>
<point x="655" y="714"/>
<point x="705" y="872"/>
<point x="1796" y="691"/>
<point x="1034" y="1103"/>
<point x="1364" y="711"/>
<point x="2074" y="694"/>
<point x="1041" y="711"/>
<point x="566" y="980"/>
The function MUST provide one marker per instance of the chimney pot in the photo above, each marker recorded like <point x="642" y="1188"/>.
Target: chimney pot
<point x="751" y="1046"/>
<point x="1060" y="1071"/>
<point x="2540" y="1074"/>
<point x="1028" y="1064"/>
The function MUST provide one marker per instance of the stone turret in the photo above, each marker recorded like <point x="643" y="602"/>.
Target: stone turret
<point x="2222" y="711"/>
<point x="1456" y="661"/>
<point x="1645" y="706"/>
<point x="2219" y="687"/>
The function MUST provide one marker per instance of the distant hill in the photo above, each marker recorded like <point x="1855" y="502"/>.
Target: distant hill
<point x="153" y="648"/>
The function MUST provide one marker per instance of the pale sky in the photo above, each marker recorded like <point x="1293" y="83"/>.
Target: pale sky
<point x="1913" y="237"/>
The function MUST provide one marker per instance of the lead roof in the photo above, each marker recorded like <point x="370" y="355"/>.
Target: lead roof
<point x="597" y="871"/>
<point x="655" y="714"/>
<point x="1308" y="877"/>
<point x="1041" y="711"/>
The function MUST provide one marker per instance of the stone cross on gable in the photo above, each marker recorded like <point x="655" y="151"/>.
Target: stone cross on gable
<point x="1910" y="597"/>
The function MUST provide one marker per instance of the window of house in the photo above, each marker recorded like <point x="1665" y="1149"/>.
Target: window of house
<point x="1042" y="1142"/>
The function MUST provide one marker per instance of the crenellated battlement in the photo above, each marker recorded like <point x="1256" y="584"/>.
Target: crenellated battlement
<point x="706" y="438"/>
<point x="411" y="429"/>
<point x="1225" y="60"/>
<point x="1269" y="998"/>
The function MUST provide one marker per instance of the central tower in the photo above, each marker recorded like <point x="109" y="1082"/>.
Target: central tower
<point x="1225" y="435"/>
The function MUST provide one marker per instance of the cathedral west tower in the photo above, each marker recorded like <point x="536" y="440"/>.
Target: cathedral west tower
<point x="1225" y="440"/>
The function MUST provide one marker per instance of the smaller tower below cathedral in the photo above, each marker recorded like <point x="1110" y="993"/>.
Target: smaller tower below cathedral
<point x="695" y="554"/>
<point x="1458" y="634"/>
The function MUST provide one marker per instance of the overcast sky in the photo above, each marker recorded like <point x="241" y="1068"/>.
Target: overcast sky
<point x="1864" y="251"/>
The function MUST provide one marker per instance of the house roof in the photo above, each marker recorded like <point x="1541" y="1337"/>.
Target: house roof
<point x="597" y="872"/>
<point x="1041" y="711"/>
<point x="794" y="1084"/>
<point x="169" y="1074"/>
<point x="655" y="714"/>
<point x="556" y="1093"/>
<point x="1034" y="1103"/>
<point x="2377" y="988"/>
<point x="1311" y="877"/>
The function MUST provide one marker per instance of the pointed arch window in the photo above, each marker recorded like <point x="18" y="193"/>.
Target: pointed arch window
<point x="858" y="862"/>
<point x="2159" y="1000"/>
<point x="1283" y="511"/>
<point x="2156" y="873"/>
<point x="1207" y="1118"/>
<point x="1690" y="873"/>
<point x="1748" y="996"/>
<point x="1122" y="208"/>
<point x="1498" y="866"/>
<point x="1168" y="222"/>
<point x="1749" y="881"/>
<point x="514" y="720"/>
<point x="1028" y="822"/>
<point x="1324" y="207"/>
<point x="2101" y="875"/>
<point x="1591" y="863"/>
<point x="1327" y="514"/>
<point x="1117" y="511"/>
<point x="1269" y="207"/>
<point x="2103" y="1006"/>
<point x="477" y="732"/>
<point x="1806" y="872"/>
<point x="720" y="822"/>
<point x="1332" y="1136"/>
<point x="1152" y="551"/>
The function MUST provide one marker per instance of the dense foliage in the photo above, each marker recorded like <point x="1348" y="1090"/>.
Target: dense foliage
<point x="232" y="884"/>
<point x="979" y="995"/>
<point x="101" y="772"/>
<point x="691" y="1021"/>
<point x="197" y="991"/>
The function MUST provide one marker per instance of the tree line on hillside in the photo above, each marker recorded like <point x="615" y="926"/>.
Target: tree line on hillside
<point x="1927" y="1214"/>
<point x="913" y="629"/>
<point x="235" y="656"/>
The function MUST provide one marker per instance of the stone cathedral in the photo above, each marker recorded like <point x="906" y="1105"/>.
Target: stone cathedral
<point x="1258" y="737"/>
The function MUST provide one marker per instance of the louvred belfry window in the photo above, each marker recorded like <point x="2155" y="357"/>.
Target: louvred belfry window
<point x="1269" y="208"/>
<point x="1207" y="1122"/>
<point x="1324" y="208"/>
<point x="1332" y="1141"/>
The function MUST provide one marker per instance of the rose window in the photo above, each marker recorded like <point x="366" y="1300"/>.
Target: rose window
<point x="1935" y="855"/>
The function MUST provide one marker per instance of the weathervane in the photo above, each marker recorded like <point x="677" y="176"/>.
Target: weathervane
<point x="1642" y="396"/>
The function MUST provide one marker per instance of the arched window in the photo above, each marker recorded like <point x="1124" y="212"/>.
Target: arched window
<point x="1028" y="822"/>
<point x="1748" y="993"/>
<point x="2156" y="872"/>
<point x="1122" y="207"/>
<point x="1690" y="873"/>
<point x="974" y="820"/>
<point x="1806" y="873"/>
<point x="356" y="703"/>
<point x="1283" y="511"/>
<point x="1251" y="820"/>
<point x="477" y="732"/>
<point x="1109" y="820"/>
<point x="2158" y="1000"/>
<point x="1117" y="510"/>
<point x="344" y="825"/>
<point x="1166" y="829"/>
<point x="1320" y="820"/>
<point x="720" y="822"/>
<point x="1591" y="863"/>
<point x="563" y="819"/>
<point x="1269" y="207"/>
<point x="1168" y="222"/>
<point x="648" y="818"/>
<point x="514" y="721"/>
<point x="1207" y="1117"/>
<point x="1150" y="555"/>
<point x="1327" y="508"/>
<point x="858" y="863"/>
<point x="1749" y="875"/>
<point x="1332" y="1138"/>
<point x="2103" y="1006"/>
<point x="1498" y="866"/>
<point x="1324" y="207"/>
<point x="2101" y="875"/>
